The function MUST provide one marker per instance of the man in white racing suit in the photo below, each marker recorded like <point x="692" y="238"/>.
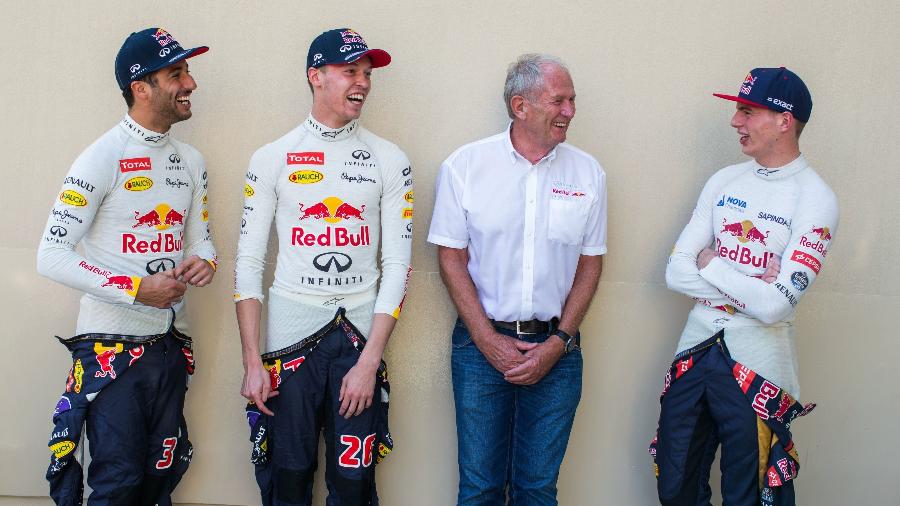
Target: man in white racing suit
<point x="335" y="191"/>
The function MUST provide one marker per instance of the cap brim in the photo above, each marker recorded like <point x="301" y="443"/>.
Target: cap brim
<point x="739" y="99"/>
<point x="378" y="57"/>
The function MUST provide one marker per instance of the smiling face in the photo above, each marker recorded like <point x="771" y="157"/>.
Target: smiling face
<point x="544" y="117"/>
<point x="169" y="92"/>
<point x="759" y="130"/>
<point x="339" y="91"/>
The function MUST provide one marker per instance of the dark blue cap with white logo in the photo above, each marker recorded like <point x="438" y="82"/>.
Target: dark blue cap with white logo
<point x="147" y="51"/>
<point x="343" y="45"/>
<point x="778" y="89"/>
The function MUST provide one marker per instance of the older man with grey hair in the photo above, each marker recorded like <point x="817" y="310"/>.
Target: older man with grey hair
<point x="520" y="224"/>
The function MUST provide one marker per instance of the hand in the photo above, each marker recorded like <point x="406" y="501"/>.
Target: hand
<point x="160" y="290"/>
<point x="501" y="351"/>
<point x="257" y="386"/>
<point x="195" y="271"/>
<point x="705" y="257"/>
<point x="539" y="360"/>
<point x="357" y="389"/>
<point x="772" y="270"/>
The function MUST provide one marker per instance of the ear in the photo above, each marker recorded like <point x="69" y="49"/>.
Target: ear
<point x="519" y="106"/>
<point x="786" y="122"/>
<point x="140" y="90"/>
<point x="314" y="75"/>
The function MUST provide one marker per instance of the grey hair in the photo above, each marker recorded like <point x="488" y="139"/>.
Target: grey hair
<point x="525" y="76"/>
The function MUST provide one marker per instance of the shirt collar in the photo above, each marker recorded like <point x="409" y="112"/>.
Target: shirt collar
<point x="143" y="135"/>
<point x="513" y="154"/>
<point x="785" y="171"/>
<point x="329" y="134"/>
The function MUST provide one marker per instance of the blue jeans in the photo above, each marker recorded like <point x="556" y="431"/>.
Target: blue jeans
<point x="510" y="435"/>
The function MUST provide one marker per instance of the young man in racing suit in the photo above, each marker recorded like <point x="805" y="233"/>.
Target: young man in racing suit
<point x="333" y="189"/>
<point x="755" y="243"/>
<point x="136" y="201"/>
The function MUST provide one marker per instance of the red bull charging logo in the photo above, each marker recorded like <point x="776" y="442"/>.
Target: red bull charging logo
<point x="744" y="231"/>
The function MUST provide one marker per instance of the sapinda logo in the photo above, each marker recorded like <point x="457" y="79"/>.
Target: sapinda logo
<point x="138" y="184"/>
<point x="72" y="198"/>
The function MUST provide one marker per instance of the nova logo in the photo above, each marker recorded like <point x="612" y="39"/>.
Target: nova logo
<point x="731" y="202"/>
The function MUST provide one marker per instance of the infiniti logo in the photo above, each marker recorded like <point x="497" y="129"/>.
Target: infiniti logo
<point x="409" y="227"/>
<point x="160" y="265"/>
<point x="332" y="260"/>
<point x="174" y="158"/>
<point x="58" y="231"/>
<point x="361" y="155"/>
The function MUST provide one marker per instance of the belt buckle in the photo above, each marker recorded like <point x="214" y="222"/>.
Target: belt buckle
<point x="520" y="331"/>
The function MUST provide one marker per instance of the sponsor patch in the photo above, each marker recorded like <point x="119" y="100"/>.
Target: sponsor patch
<point x="306" y="158"/>
<point x="72" y="198"/>
<point x="807" y="260"/>
<point x="62" y="448"/>
<point x="135" y="164"/>
<point x="800" y="280"/>
<point x="138" y="184"/>
<point x="306" y="176"/>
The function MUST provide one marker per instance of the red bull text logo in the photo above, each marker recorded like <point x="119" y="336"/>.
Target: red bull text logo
<point x="743" y="255"/>
<point x="817" y="246"/>
<point x="134" y="164"/>
<point x="766" y="391"/>
<point x="306" y="158"/>
<point x="807" y="260"/>
<point x="337" y="236"/>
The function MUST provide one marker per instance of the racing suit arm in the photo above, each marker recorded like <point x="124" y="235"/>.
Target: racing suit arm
<point x="682" y="274"/>
<point x="87" y="183"/>
<point x="197" y="236"/>
<point x="396" y="235"/>
<point x="259" y="209"/>
<point x="812" y="228"/>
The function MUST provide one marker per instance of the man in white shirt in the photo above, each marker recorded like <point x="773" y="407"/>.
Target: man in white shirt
<point x="335" y="191"/>
<point x="520" y="224"/>
<point x="136" y="201"/>
<point x="754" y="245"/>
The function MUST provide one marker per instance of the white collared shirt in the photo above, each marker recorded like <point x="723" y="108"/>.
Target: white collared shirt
<point x="524" y="225"/>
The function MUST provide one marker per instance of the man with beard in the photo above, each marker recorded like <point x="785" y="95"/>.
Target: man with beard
<point x="334" y="189"/>
<point x="136" y="201"/>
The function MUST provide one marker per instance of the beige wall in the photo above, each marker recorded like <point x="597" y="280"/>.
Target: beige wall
<point x="644" y="72"/>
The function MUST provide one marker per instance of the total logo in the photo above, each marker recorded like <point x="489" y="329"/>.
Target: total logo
<point x="744" y="231"/>
<point x="135" y="164"/>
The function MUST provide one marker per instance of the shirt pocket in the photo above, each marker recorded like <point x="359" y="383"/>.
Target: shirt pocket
<point x="567" y="220"/>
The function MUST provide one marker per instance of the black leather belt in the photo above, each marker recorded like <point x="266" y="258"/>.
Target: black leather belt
<point x="529" y="327"/>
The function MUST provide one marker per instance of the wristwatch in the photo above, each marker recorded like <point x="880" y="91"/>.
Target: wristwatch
<point x="569" y="341"/>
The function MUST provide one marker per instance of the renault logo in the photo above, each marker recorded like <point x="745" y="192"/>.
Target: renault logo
<point x="160" y="265"/>
<point x="361" y="155"/>
<point x="332" y="260"/>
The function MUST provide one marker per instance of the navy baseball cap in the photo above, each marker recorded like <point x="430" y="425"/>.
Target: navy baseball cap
<point x="343" y="45"/>
<point x="777" y="89"/>
<point x="147" y="51"/>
